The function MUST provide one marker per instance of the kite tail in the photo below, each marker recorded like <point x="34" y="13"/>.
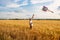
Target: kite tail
<point x="51" y="11"/>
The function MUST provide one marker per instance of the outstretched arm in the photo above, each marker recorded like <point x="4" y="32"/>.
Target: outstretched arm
<point x="32" y="16"/>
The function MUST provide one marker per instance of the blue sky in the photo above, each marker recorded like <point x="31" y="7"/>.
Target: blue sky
<point x="25" y="8"/>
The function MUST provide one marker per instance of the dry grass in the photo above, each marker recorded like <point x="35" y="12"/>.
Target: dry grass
<point x="19" y="30"/>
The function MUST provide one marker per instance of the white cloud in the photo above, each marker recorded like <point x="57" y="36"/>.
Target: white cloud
<point x="10" y="15"/>
<point x="54" y="6"/>
<point x="16" y="0"/>
<point x="12" y="5"/>
<point x="15" y="5"/>
<point x="13" y="15"/>
<point x="39" y="1"/>
<point x="24" y="3"/>
<point x="47" y="16"/>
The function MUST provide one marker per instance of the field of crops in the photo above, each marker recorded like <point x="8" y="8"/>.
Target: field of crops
<point x="20" y="30"/>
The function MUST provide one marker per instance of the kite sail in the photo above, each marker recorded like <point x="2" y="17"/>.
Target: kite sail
<point x="44" y="8"/>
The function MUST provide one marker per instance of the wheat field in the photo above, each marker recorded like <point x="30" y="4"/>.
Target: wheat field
<point x="20" y="30"/>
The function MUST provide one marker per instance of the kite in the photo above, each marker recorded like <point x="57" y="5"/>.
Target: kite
<point x="46" y="9"/>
